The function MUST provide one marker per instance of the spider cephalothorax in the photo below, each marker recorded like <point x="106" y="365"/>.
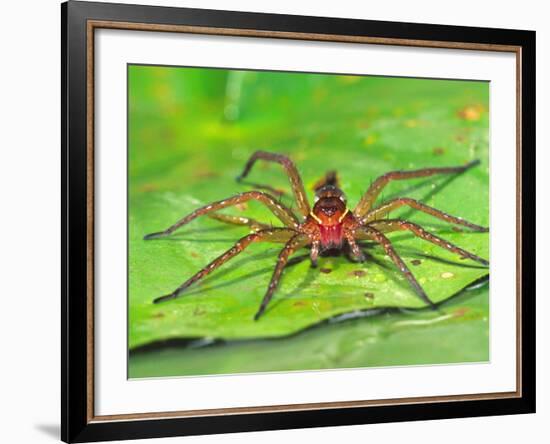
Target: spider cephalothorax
<point x="328" y="225"/>
<point x="329" y="215"/>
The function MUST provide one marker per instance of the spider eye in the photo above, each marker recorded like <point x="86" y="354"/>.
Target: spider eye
<point x="342" y="197"/>
<point x="316" y="199"/>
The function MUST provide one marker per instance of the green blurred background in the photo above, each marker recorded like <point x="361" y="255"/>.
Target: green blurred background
<point x="190" y="132"/>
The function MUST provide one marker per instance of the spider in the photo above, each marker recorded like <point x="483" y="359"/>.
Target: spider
<point x="329" y="225"/>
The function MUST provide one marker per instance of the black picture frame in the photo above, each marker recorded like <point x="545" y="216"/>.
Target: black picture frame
<point x="77" y="422"/>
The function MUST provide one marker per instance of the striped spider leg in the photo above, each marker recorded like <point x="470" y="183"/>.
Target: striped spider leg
<point x="328" y="225"/>
<point x="378" y="185"/>
<point x="263" y="233"/>
<point x="373" y="224"/>
<point x="295" y="180"/>
<point x="375" y="231"/>
<point x="283" y="213"/>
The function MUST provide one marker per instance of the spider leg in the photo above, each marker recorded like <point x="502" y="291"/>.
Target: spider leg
<point x="376" y="187"/>
<point x="293" y="175"/>
<point x="368" y="232"/>
<point x="355" y="249"/>
<point x="270" y="235"/>
<point x="296" y="242"/>
<point x="417" y="230"/>
<point x="239" y="220"/>
<point x="314" y="253"/>
<point x="384" y="209"/>
<point x="282" y="212"/>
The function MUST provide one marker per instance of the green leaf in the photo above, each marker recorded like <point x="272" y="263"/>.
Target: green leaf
<point x="192" y="130"/>
<point x="458" y="334"/>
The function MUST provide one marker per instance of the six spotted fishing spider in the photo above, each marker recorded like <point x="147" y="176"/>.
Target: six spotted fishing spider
<point x="330" y="225"/>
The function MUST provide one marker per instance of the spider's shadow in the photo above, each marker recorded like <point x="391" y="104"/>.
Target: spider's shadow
<point x="188" y="235"/>
<point x="416" y="254"/>
<point x="369" y="258"/>
<point x="312" y="272"/>
<point x="242" y="263"/>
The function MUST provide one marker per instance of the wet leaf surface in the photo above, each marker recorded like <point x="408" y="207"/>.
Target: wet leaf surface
<point x="190" y="134"/>
<point x="459" y="333"/>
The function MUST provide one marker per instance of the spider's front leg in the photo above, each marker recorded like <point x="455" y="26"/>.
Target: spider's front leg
<point x="293" y="175"/>
<point x="375" y="189"/>
<point x="314" y="252"/>
<point x="356" y="252"/>
<point x="350" y="234"/>
<point x="368" y="232"/>
<point x="297" y="241"/>
<point x="282" y="212"/>
<point x="268" y="235"/>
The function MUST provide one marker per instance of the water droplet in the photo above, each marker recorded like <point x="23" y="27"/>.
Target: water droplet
<point x="447" y="275"/>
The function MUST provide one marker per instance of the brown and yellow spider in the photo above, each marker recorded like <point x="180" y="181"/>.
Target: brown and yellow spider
<point x="330" y="225"/>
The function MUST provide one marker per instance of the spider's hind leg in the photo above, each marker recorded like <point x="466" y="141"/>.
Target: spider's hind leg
<point x="330" y="178"/>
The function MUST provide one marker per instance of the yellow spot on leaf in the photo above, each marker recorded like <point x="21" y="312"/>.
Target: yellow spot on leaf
<point x="161" y="91"/>
<point x="370" y="139"/>
<point x="148" y="187"/>
<point x="319" y="95"/>
<point x="471" y="112"/>
<point x="349" y="79"/>
<point x="398" y="112"/>
<point x="461" y="312"/>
